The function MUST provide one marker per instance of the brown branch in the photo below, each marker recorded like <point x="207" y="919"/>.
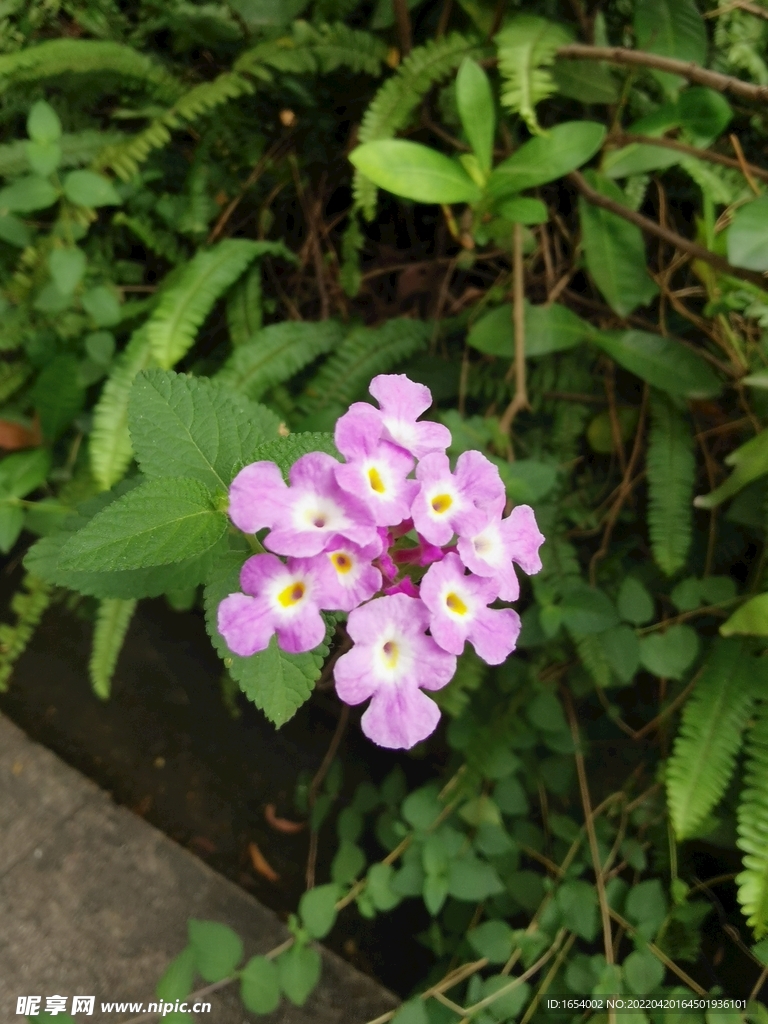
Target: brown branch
<point x="520" y="400"/>
<point x="743" y="165"/>
<point x="693" y="72"/>
<point x="693" y="249"/>
<point x="317" y="781"/>
<point x="740" y="5"/>
<point x="403" y="20"/>
<point x="261" y="165"/>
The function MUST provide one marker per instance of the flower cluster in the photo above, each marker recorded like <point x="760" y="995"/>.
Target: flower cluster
<point x="415" y="552"/>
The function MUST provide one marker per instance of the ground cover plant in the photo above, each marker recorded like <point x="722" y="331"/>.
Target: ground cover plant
<point x="221" y="225"/>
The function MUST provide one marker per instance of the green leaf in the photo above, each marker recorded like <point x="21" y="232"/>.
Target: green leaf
<point x="661" y="362"/>
<point x="58" y="395"/>
<point x="546" y="712"/>
<point x="186" y="303"/>
<point x="508" y="1006"/>
<point x="43" y="157"/>
<point x="671" y="470"/>
<point x="747" y="235"/>
<point x="549" y="328"/>
<point x="472" y="879"/>
<point x="614" y="250"/>
<point x="634" y="603"/>
<point x="749" y="620"/>
<point x="646" y="907"/>
<point x="87" y="188"/>
<point x="671" y="28"/>
<point x="750" y="462"/>
<point x="194" y="427"/>
<point x="276" y="682"/>
<point x="493" y="940"/>
<point x="415" y="172"/>
<point x="643" y="972"/>
<point x="587" y="610"/>
<point x="178" y="978"/>
<point x="509" y="796"/>
<point x="527" y="46"/>
<point x="474" y="100"/>
<point x="668" y="655"/>
<point x="260" y="986"/>
<point x="27" y="194"/>
<point x="547" y="157"/>
<point x="276" y="353"/>
<point x="752" y="827"/>
<point x="14" y="231"/>
<point x="158" y="523"/>
<point x="112" y="622"/>
<point x="43" y="124"/>
<point x="23" y="472"/>
<point x="244" y="312"/>
<point x="412" y="1012"/>
<point x="100" y="346"/>
<point x="521" y="210"/>
<point x="577" y="903"/>
<point x="421" y="808"/>
<point x="704" y="113"/>
<point x="67" y="267"/>
<point x="102" y="305"/>
<point x="622" y="650"/>
<point x="299" y="971"/>
<point x="217" y="949"/>
<point x="317" y="909"/>
<point x="637" y="158"/>
<point x="704" y="753"/>
<point x="587" y="81"/>
<point x="379" y="886"/>
<point x="11" y="525"/>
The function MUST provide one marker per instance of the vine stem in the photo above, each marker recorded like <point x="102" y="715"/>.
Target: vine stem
<point x="520" y="400"/>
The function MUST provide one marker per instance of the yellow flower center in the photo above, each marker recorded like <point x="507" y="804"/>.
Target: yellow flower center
<point x="455" y="604"/>
<point x="292" y="594"/>
<point x="342" y="563"/>
<point x="390" y="653"/>
<point x="377" y="484"/>
<point x="441" y="503"/>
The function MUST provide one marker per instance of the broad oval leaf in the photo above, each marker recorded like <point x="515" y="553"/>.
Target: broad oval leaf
<point x="671" y="28"/>
<point x="547" y="157"/>
<point x="704" y="113"/>
<point x="548" y="328"/>
<point x="748" y="236"/>
<point x="260" y="986"/>
<point x="637" y="158"/>
<point x="317" y="909"/>
<point x="668" y="655"/>
<point x="67" y="267"/>
<point x="523" y="210"/>
<point x="750" y="462"/>
<point x="27" y="194"/>
<point x="478" y="117"/>
<point x="299" y="971"/>
<point x="87" y="188"/>
<point x="587" y="81"/>
<point x="413" y="171"/>
<point x="661" y="362"/>
<point x="749" y="620"/>
<point x="43" y="124"/>
<point x="217" y="948"/>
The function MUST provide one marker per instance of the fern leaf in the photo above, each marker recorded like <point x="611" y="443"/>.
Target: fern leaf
<point x="527" y="47"/>
<point x="112" y="622"/>
<point x="362" y="355"/>
<point x="164" y="243"/>
<point x="671" y="470"/>
<point x="277" y="353"/>
<point x="337" y="45"/>
<point x="394" y="103"/>
<point x="595" y="659"/>
<point x="184" y="306"/>
<point x="28" y="605"/>
<point x="110" y="443"/>
<point x="752" y="827"/>
<point x="87" y="56"/>
<point x="709" y="738"/>
<point x="244" y="313"/>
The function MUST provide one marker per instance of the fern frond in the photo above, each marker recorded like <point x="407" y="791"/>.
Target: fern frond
<point x="709" y="737"/>
<point x="164" y="243"/>
<point x="752" y="827"/>
<point x="671" y="469"/>
<point x="595" y="659"/>
<point x="527" y="47"/>
<point x="393" y="105"/>
<point x="112" y="621"/>
<point x="28" y="604"/>
<point x="277" y="353"/>
<point x="124" y="159"/>
<point x="365" y="353"/>
<point x="185" y="305"/>
<point x="244" y="313"/>
<point x="87" y="56"/>
<point x="315" y="48"/>
<point x="110" y="443"/>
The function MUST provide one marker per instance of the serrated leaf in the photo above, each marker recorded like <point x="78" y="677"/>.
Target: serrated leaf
<point x="299" y="972"/>
<point x="415" y="172"/>
<point x="194" y="427"/>
<point x="704" y="753"/>
<point x="276" y="353"/>
<point x="87" y="188"/>
<point x="284" y="451"/>
<point x="527" y="47"/>
<point x="587" y="610"/>
<point x="472" y="879"/>
<point x="216" y="947"/>
<point x="187" y="302"/>
<point x="752" y="818"/>
<point x="102" y="305"/>
<point x="160" y="522"/>
<point x="276" y="682"/>
<point x="577" y="902"/>
<point x="643" y="972"/>
<point x="587" y="81"/>
<point x="317" y="909"/>
<point x="112" y="622"/>
<point x="260" y="986"/>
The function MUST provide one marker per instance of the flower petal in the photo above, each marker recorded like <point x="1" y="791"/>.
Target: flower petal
<point x="399" y="718"/>
<point x="258" y="497"/>
<point x="494" y="634"/>
<point x="354" y="679"/>
<point x="245" y="624"/>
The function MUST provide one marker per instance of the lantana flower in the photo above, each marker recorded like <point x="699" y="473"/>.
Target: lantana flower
<point x="458" y="611"/>
<point x="303" y="517"/>
<point x="391" y="662"/>
<point x="401" y="402"/>
<point x="278" y="597"/>
<point x="491" y="551"/>
<point x="450" y="503"/>
<point x="345" y="573"/>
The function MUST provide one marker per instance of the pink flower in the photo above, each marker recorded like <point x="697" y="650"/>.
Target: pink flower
<point x="303" y="517"/>
<point x="345" y="574"/>
<point x="402" y="401"/>
<point x="458" y="612"/>
<point x="277" y="598"/>
<point x="491" y="551"/>
<point x="449" y="503"/>
<point x="392" y="662"/>
<point x="376" y="470"/>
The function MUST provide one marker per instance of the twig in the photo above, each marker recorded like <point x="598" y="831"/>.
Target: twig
<point x="445" y="15"/>
<point x="314" y="786"/>
<point x="652" y="228"/>
<point x="249" y="182"/>
<point x="520" y="400"/>
<point x="743" y="165"/>
<point x="660" y="955"/>
<point x="403" y="20"/>
<point x="702" y="154"/>
<point x="740" y="5"/>
<point x="687" y="69"/>
<point x="551" y="973"/>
